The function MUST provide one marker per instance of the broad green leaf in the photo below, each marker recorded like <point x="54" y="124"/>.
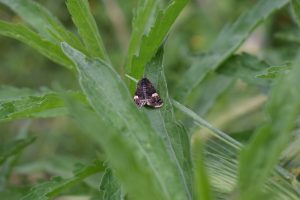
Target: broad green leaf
<point x="13" y="148"/>
<point x="221" y="160"/>
<point x="110" y="187"/>
<point x="141" y="22"/>
<point x="150" y="43"/>
<point x="48" y="190"/>
<point x="163" y="119"/>
<point x="39" y="105"/>
<point x="283" y="109"/>
<point x="142" y="149"/>
<point x="42" y="21"/>
<point x="32" y="39"/>
<point x="225" y="45"/>
<point x="87" y="28"/>
<point x="202" y="184"/>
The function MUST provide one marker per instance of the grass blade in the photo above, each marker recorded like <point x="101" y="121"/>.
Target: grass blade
<point x="87" y="28"/>
<point x="226" y="44"/>
<point x="32" y="39"/>
<point x="152" y="41"/>
<point x="137" y="142"/>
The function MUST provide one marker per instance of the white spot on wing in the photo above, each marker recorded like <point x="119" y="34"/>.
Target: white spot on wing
<point x="154" y="95"/>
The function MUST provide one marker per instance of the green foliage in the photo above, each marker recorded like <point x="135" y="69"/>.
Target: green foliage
<point x="245" y="67"/>
<point x="42" y="21"/>
<point x="272" y="137"/>
<point x="203" y="188"/>
<point x="104" y="88"/>
<point x="13" y="148"/>
<point x="151" y="41"/>
<point x="32" y="39"/>
<point x="32" y="105"/>
<point x="110" y="187"/>
<point x="274" y="71"/>
<point x="226" y="44"/>
<point x="48" y="190"/>
<point x="150" y="153"/>
<point x="87" y="28"/>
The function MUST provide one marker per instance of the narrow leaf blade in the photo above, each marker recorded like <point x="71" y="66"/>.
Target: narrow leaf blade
<point x="32" y="39"/>
<point x="87" y="28"/>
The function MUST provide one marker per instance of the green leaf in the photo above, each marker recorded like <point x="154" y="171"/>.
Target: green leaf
<point x="225" y="45"/>
<point x="202" y="184"/>
<point x="163" y="119"/>
<point x="221" y="160"/>
<point x="141" y="22"/>
<point x="295" y="4"/>
<point x="119" y="152"/>
<point x="39" y="105"/>
<point x="131" y="145"/>
<point x="283" y="109"/>
<point x="245" y="67"/>
<point x="110" y="187"/>
<point x="204" y="97"/>
<point x="87" y="28"/>
<point x="32" y="39"/>
<point x="13" y="148"/>
<point x="42" y="21"/>
<point x="48" y="190"/>
<point x="275" y="71"/>
<point x="151" y="42"/>
<point x="10" y="154"/>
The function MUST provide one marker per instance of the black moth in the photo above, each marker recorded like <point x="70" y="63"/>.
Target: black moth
<point x="145" y="94"/>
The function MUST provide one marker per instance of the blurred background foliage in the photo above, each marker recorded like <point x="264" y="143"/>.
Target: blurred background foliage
<point x="59" y="143"/>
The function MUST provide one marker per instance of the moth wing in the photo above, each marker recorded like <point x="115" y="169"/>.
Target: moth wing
<point x="155" y="101"/>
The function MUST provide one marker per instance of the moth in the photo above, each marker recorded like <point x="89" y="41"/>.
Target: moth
<point x="146" y="94"/>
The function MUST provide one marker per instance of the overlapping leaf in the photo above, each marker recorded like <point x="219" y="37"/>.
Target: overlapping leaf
<point x="221" y="160"/>
<point x="33" y="104"/>
<point x="32" y="39"/>
<point x="225" y="45"/>
<point x="48" y="190"/>
<point x="163" y="119"/>
<point x="87" y="28"/>
<point x="150" y="43"/>
<point x="42" y="21"/>
<point x="138" y="144"/>
<point x="272" y="137"/>
<point x="14" y="148"/>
